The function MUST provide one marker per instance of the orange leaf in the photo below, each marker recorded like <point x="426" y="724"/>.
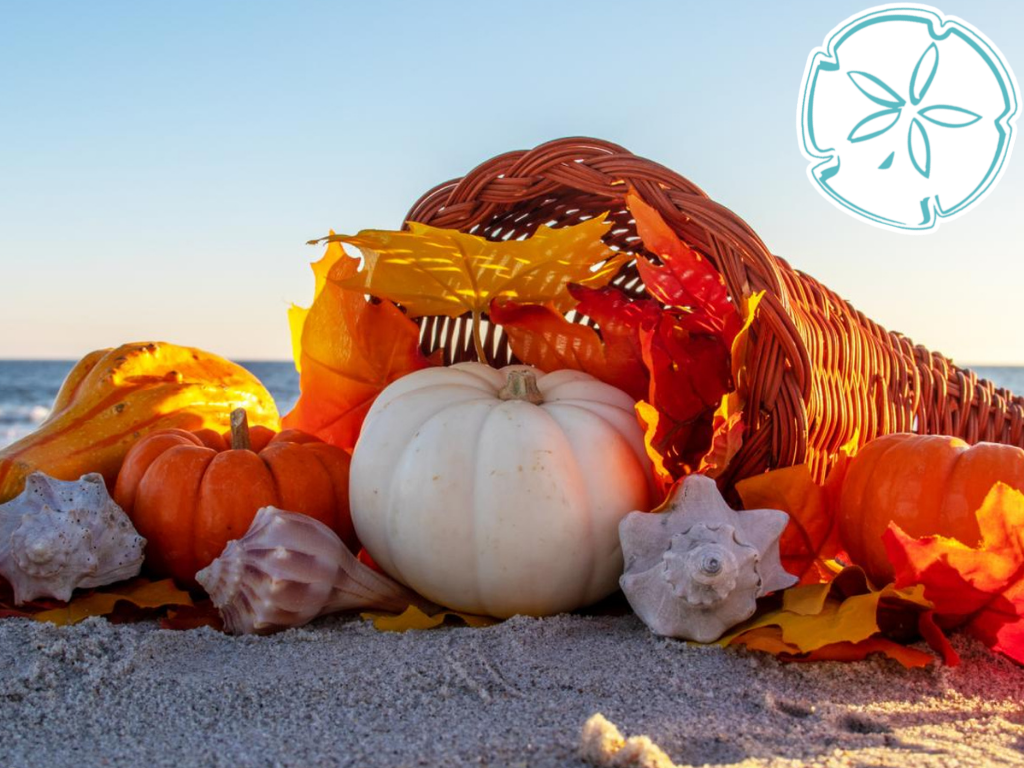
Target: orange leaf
<point x="141" y="592"/>
<point x="982" y="586"/>
<point x="769" y="640"/>
<point x="651" y="421"/>
<point x="349" y="350"/>
<point x="908" y="657"/>
<point x="542" y="337"/>
<point x="812" y="537"/>
<point x="726" y="437"/>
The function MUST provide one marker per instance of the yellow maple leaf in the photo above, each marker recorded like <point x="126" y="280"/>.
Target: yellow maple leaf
<point x="142" y="593"/>
<point x="414" y="618"/>
<point x="432" y="271"/>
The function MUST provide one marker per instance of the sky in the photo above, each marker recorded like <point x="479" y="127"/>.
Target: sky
<point x="162" y="165"/>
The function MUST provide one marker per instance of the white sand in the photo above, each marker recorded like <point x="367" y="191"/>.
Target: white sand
<point x="518" y="694"/>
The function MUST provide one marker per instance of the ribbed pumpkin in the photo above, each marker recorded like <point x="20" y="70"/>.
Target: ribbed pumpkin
<point x="926" y="484"/>
<point x="500" y="491"/>
<point x="112" y="397"/>
<point x="190" y="493"/>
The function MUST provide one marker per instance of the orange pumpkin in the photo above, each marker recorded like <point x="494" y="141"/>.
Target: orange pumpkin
<point x="190" y="493"/>
<point x="926" y="484"/>
<point x="112" y="397"/>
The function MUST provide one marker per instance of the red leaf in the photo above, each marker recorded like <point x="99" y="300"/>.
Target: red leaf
<point x="689" y="372"/>
<point x="685" y="279"/>
<point x="936" y="638"/>
<point x="982" y="586"/>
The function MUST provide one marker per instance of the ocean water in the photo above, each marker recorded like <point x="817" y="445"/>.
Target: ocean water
<point x="28" y="388"/>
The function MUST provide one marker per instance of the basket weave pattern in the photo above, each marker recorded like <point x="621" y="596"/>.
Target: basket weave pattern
<point x="817" y="373"/>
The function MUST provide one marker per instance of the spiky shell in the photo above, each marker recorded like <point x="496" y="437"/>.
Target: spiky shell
<point x="697" y="568"/>
<point x="57" y="536"/>
<point x="288" y="569"/>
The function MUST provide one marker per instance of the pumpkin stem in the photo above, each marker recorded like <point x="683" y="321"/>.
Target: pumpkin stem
<point x="521" y="385"/>
<point x="240" y="430"/>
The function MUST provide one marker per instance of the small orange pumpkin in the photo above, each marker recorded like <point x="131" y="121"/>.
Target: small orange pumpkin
<point x="926" y="484"/>
<point x="190" y="493"/>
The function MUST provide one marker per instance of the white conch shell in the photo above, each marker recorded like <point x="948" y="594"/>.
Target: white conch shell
<point x="288" y="569"/>
<point x="697" y="568"/>
<point x="60" y="535"/>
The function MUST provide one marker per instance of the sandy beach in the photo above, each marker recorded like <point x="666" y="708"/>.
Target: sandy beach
<point x="339" y="693"/>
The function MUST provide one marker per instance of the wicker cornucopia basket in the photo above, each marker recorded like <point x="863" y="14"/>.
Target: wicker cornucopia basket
<point x="818" y="372"/>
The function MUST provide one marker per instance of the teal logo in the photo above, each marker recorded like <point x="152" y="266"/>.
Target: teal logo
<point x="906" y="116"/>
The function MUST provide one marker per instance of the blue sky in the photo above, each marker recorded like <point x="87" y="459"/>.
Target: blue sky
<point x="162" y="165"/>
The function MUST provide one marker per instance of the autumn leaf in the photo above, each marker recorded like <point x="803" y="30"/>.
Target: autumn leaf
<point x="541" y="336"/>
<point x="141" y="593"/>
<point x="691" y="374"/>
<point x="981" y="587"/>
<point x="769" y="640"/>
<point x="8" y="608"/>
<point x="297" y="315"/>
<point x="432" y="271"/>
<point x="811" y="539"/>
<point x="202" y="614"/>
<point x="349" y="349"/>
<point x="726" y="436"/>
<point x="684" y="279"/>
<point x="841" y="620"/>
<point x="414" y="618"/>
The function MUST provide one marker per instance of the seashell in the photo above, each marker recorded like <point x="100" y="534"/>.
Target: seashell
<point x="697" y="568"/>
<point x="59" y="535"/>
<point x="288" y="569"/>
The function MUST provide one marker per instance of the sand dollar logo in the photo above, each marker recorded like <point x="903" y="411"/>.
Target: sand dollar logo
<point x="906" y="116"/>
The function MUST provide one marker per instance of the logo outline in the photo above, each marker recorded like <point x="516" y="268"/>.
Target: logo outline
<point x="824" y="163"/>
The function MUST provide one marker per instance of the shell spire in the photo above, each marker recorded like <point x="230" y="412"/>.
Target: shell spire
<point x="288" y="569"/>
<point x="697" y="568"/>
<point x="57" y="536"/>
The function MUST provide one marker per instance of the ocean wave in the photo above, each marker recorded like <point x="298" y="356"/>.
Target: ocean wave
<point x="13" y="414"/>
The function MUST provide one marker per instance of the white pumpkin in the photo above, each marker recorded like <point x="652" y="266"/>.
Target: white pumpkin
<point x="499" y="492"/>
